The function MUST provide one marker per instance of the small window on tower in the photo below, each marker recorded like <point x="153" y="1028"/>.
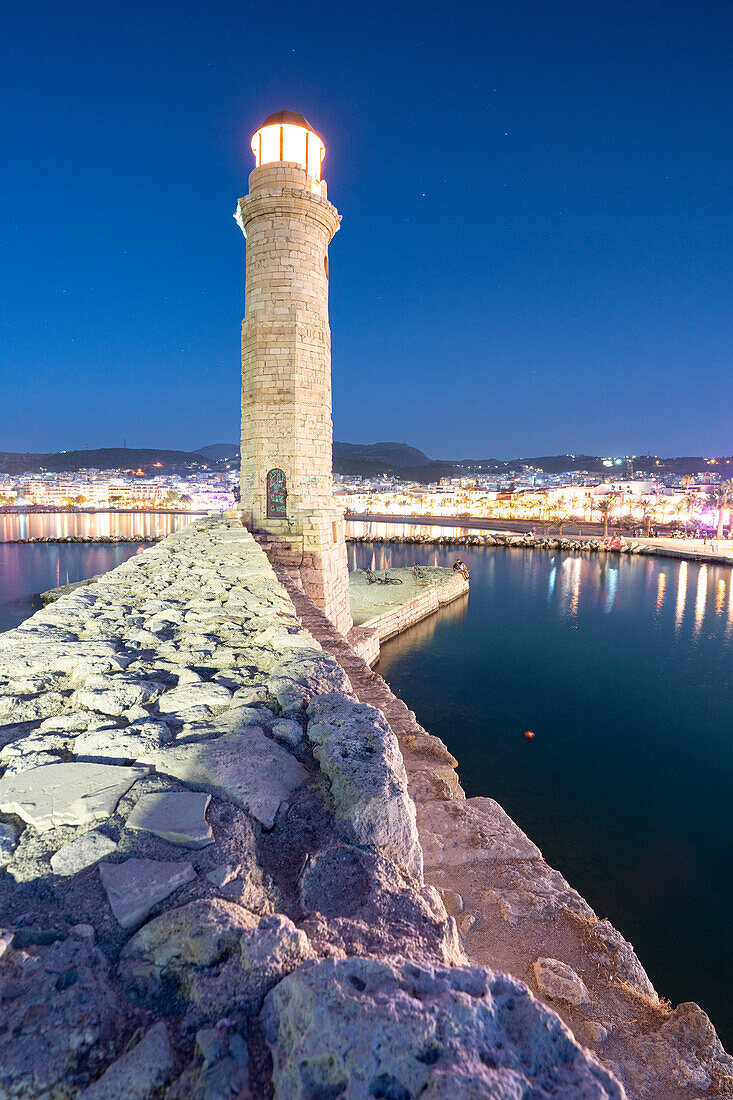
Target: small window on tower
<point x="325" y="265"/>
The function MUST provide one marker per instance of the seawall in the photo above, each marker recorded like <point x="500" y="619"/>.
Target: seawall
<point x="615" y="544"/>
<point x="232" y="866"/>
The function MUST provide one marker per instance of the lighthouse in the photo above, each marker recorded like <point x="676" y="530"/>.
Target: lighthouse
<point x="287" y="431"/>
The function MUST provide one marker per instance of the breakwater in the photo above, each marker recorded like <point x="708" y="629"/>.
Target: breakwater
<point x="614" y="544"/>
<point x="230" y="863"/>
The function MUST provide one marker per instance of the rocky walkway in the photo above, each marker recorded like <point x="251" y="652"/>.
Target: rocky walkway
<point x="212" y="883"/>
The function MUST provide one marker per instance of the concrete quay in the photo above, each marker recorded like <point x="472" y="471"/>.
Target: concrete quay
<point x="234" y="864"/>
<point x="381" y="611"/>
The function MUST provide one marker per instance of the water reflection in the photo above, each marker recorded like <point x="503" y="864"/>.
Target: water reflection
<point x="701" y="597"/>
<point x="679" y="611"/>
<point x="720" y="597"/>
<point x="55" y="525"/>
<point x="574" y="582"/>
<point x="611" y="589"/>
<point x="661" y="582"/>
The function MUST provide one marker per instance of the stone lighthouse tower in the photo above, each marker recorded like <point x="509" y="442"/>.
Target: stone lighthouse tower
<point x="287" y="432"/>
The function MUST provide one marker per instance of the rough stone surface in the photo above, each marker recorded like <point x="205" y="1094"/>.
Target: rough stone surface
<point x="359" y="754"/>
<point x="559" y="982"/>
<point x="198" y="934"/>
<point x="139" y="1073"/>
<point x="135" y="886"/>
<point x="115" y="695"/>
<point x="118" y="746"/>
<point x="460" y="831"/>
<point x="197" y="694"/>
<point x="8" y="842"/>
<point x="66" y="794"/>
<point x="274" y="948"/>
<point x="287" y="731"/>
<point x="176" y="816"/>
<point x="60" y="1014"/>
<point x="361" y="1028"/>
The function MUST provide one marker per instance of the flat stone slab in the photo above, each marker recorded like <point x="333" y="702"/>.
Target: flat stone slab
<point x="465" y="831"/>
<point x="120" y="745"/>
<point x="139" y="1073"/>
<point x="182" y="699"/>
<point x="66" y="794"/>
<point x="135" y="886"/>
<point x="176" y="816"/>
<point x="244" y="767"/>
<point x="82" y="852"/>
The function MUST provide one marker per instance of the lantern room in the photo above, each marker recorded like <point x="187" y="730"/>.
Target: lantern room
<point x="287" y="136"/>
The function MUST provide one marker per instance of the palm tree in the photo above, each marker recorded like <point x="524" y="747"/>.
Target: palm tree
<point x="722" y="496"/>
<point x="649" y="507"/>
<point x="689" y="500"/>
<point x="605" y="507"/>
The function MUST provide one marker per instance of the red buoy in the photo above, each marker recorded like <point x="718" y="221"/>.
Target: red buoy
<point x="528" y="734"/>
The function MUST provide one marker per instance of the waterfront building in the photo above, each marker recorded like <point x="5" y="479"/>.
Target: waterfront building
<point x="287" y="435"/>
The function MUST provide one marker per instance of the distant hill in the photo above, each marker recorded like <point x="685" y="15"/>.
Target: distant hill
<point x="652" y="464"/>
<point x="217" y="451"/>
<point x="366" y="459"/>
<point x="396" y="454"/>
<point x="104" y="458"/>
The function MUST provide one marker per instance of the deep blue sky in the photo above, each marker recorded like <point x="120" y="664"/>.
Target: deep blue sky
<point x="535" y="253"/>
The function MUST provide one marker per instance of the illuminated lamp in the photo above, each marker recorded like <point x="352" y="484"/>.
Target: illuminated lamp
<point x="288" y="137"/>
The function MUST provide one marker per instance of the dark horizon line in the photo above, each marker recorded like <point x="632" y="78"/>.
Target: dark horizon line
<point x="574" y="455"/>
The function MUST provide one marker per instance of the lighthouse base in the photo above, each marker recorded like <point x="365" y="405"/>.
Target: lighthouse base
<point x="314" y="550"/>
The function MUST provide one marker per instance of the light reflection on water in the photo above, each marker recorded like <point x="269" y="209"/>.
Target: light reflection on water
<point x="34" y="525"/>
<point x="623" y="667"/>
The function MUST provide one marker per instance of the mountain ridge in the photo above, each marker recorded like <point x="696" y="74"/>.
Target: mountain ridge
<point x="365" y="459"/>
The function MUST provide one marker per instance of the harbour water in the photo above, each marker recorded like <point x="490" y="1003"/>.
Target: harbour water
<point x="623" y="669"/>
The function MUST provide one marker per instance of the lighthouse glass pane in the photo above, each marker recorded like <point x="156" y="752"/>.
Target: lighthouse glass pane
<point x="294" y="139"/>
<point x="299" y="146"/>
<point x="270" y="144"/>
<point x="316" y="149"/>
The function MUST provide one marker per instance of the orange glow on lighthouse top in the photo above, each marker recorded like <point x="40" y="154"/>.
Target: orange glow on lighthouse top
<point x="287" y="136"/>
